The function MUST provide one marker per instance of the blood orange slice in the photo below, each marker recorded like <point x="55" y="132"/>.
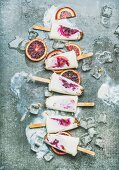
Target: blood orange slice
<point x="65" y="12"/>
<point x="36" y="49"/>
<point x="75" y="47"/>
<point x="52" y="53"/>
<point x="72" y="75"/>
<point x="58" y="152"/>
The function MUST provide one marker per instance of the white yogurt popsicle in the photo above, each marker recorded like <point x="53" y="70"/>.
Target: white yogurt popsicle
<point x="64" y="30"/>
<point x="64" y="143"/>
<point x="62" y="103"/>
<point x="56" y="124"/>
<point x="63" y="85"/>
<point x="62" y="61"/>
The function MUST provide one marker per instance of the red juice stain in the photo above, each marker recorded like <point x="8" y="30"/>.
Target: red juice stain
<point x="67" y="32"/>
<point x="63" y="122"/>
<point x="61" y="61"/>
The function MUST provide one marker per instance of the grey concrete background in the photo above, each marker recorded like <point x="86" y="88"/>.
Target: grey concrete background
<point x="16" y="18"/>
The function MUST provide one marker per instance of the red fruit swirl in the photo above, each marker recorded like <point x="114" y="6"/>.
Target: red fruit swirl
<point x="67" y="32"/>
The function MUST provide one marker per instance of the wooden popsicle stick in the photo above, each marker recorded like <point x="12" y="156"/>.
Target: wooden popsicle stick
<point x="86" y="151"/>
<point x="43" y="80"/>
<point x="86" y="104"/>
<point x="37" y="125"/>
<point x="83" y="56"/>
<point x="40" y="27"/>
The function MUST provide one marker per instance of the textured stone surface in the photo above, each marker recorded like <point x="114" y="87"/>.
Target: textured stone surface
<point x="16" y="19"/>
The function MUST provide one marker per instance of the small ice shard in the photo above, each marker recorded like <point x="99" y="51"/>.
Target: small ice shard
<point x="32" y="35"/>
<point x="2" y="168"/>
<point x="58" y="44"/>
<point x="48" y="93"/>
<point x="34" y="148"/>
<point x="116" y="48"/>
<point x="49" y="156"/>
<point x="15" y="43"/>
<point x="23" y="44"/>
<point x="34" y="108"/>
<point x="28" y="1"/>
<point x="86" y="66"/>
<point x="106" y="11"/>
<point x="99" y="142"/>
<point x="83" y="124"/>
<point x="29" y="77"/>
<point x="105" y="22"/>
<point x="89" y="147"/>
<point x="105" y="57"/>
<point x="102" y="118"/>
<point x="92" y="132"/>
<point x="38" y="141"/>
<point x="86" y="139"/>
<point x="117" y="31"/>
<point x="97" y="72"/>
<point x="90" y="122"/>
<point x="17" y="81"/>
<point x="43" y="150"/>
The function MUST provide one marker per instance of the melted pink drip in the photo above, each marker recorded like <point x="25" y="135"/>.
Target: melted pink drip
<point x="68" y="85"/>
<point x="61" y="61"/>
<point x="63" y="122"/>
<point x="67" y="32"/>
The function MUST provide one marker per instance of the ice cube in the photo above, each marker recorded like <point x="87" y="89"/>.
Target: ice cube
<point x="102" y="118"/>
<point x="116" y="48"/>
<point x="117" y="31"/>
<point x="106" y="11"/>
<point x="89" y="147"/>
<point x="2" y="168"/>
<point x="90" y="122"/>
<point x="43" y="150"/>
<point x="99" y="142"/>
<point x="28" y="1"/>
<point x="15" y="43"/>
<point x="38" y="141"/>
<point x="83" y="124"/>
<point x="22" y="45"/>
<point x="48" y="93"/>
<point x="105" y="57"/>
<point x="86" y="65"/>
<point x="86" y="139"/>
<point x="34" y="148"/>
<point x="49" y="156"/>
<point x="105" y="21"/>
<point x="58" y="44"/>
<point x="97" y="72"/>
<point x="34" y="108"/>
<point x="32" y="35"/>
<point x="92" y="132"/>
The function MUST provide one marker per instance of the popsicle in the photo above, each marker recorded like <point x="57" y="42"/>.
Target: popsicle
<point x="62" y="30"/>
<point x="65" y="103"/>
<point x="66" y="144"/>
<point x="56" y="124"/>
<point x="62" y="61"/>
<point x="61" y="84"/>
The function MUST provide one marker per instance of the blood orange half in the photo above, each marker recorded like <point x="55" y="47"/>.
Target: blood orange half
<point x="58" y="152"/>
<point x="75" y="47"/>
<point x="65" y="12"/>
<point x="72" y="75"/>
